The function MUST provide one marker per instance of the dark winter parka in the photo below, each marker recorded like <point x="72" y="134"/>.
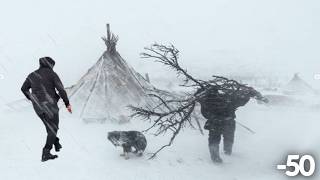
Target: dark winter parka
<point x="216" y="105"/>
<point x="44" y="82"/>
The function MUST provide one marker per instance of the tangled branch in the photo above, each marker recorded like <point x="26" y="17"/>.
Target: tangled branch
<point x="173" y="113"/>
<point x="168" y="56"/>
<point x="169" y="115"/>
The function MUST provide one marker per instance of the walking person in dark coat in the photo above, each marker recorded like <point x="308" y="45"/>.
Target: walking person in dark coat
<point x="219" y="111"/>
<point x="43" y="84"/>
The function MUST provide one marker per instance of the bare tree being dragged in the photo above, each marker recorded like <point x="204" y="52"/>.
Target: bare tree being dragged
<point x="172" y="114"/>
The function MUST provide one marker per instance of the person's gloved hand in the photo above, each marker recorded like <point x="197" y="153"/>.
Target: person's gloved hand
<point x="263" y="99"/>
<point x="69" y="109"/>
<point x="258" y="96"/>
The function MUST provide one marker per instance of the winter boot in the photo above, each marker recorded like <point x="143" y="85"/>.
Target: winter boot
<point x="57" y="145"/>
<point x="46" y="155"/>
<point x="227" y="147"/>
<point x="214" y="152"/>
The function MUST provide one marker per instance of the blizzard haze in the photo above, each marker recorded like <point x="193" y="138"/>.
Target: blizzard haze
<point x="277" y="37"/>
<point x="273" y="38"/>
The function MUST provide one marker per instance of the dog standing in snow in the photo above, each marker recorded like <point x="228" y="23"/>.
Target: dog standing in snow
<point x="128" y="140"/>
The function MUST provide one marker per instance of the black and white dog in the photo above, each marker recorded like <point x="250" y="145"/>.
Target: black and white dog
<point x="129" y="140"/>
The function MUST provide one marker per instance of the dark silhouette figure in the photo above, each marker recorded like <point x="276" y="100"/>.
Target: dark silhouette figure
<point x="219" y="111"/>
<point x="43" y="84"/>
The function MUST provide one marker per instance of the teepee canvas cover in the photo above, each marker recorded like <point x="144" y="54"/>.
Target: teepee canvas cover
<point x="298" y="86"/>
<point x="108" y="87"/>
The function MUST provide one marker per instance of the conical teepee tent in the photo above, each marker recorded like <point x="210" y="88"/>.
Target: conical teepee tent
<point x="298" y="86"/>
<point x="108" y="87"/>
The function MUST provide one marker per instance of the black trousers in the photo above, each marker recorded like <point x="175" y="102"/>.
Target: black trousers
<point x="49" y="114"/>
<point x="222" y="128"/>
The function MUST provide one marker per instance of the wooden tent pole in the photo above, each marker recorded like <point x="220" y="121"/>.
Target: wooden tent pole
<point x="108" y="32"/>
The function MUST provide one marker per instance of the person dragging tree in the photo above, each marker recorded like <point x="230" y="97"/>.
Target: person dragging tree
<point x="220" y="114"/>
<point x="219" y="98"/>
<point x="43" y="84"/>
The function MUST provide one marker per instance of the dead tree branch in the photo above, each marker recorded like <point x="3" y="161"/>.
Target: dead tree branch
<point x="173" y="113"/>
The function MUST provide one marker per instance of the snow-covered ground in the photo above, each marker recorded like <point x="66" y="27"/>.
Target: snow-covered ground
<point x="87" y="155"/>
<point x="269" y="38"/>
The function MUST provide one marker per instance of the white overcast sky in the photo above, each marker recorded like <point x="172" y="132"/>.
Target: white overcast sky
<point x="277" y="37"/>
